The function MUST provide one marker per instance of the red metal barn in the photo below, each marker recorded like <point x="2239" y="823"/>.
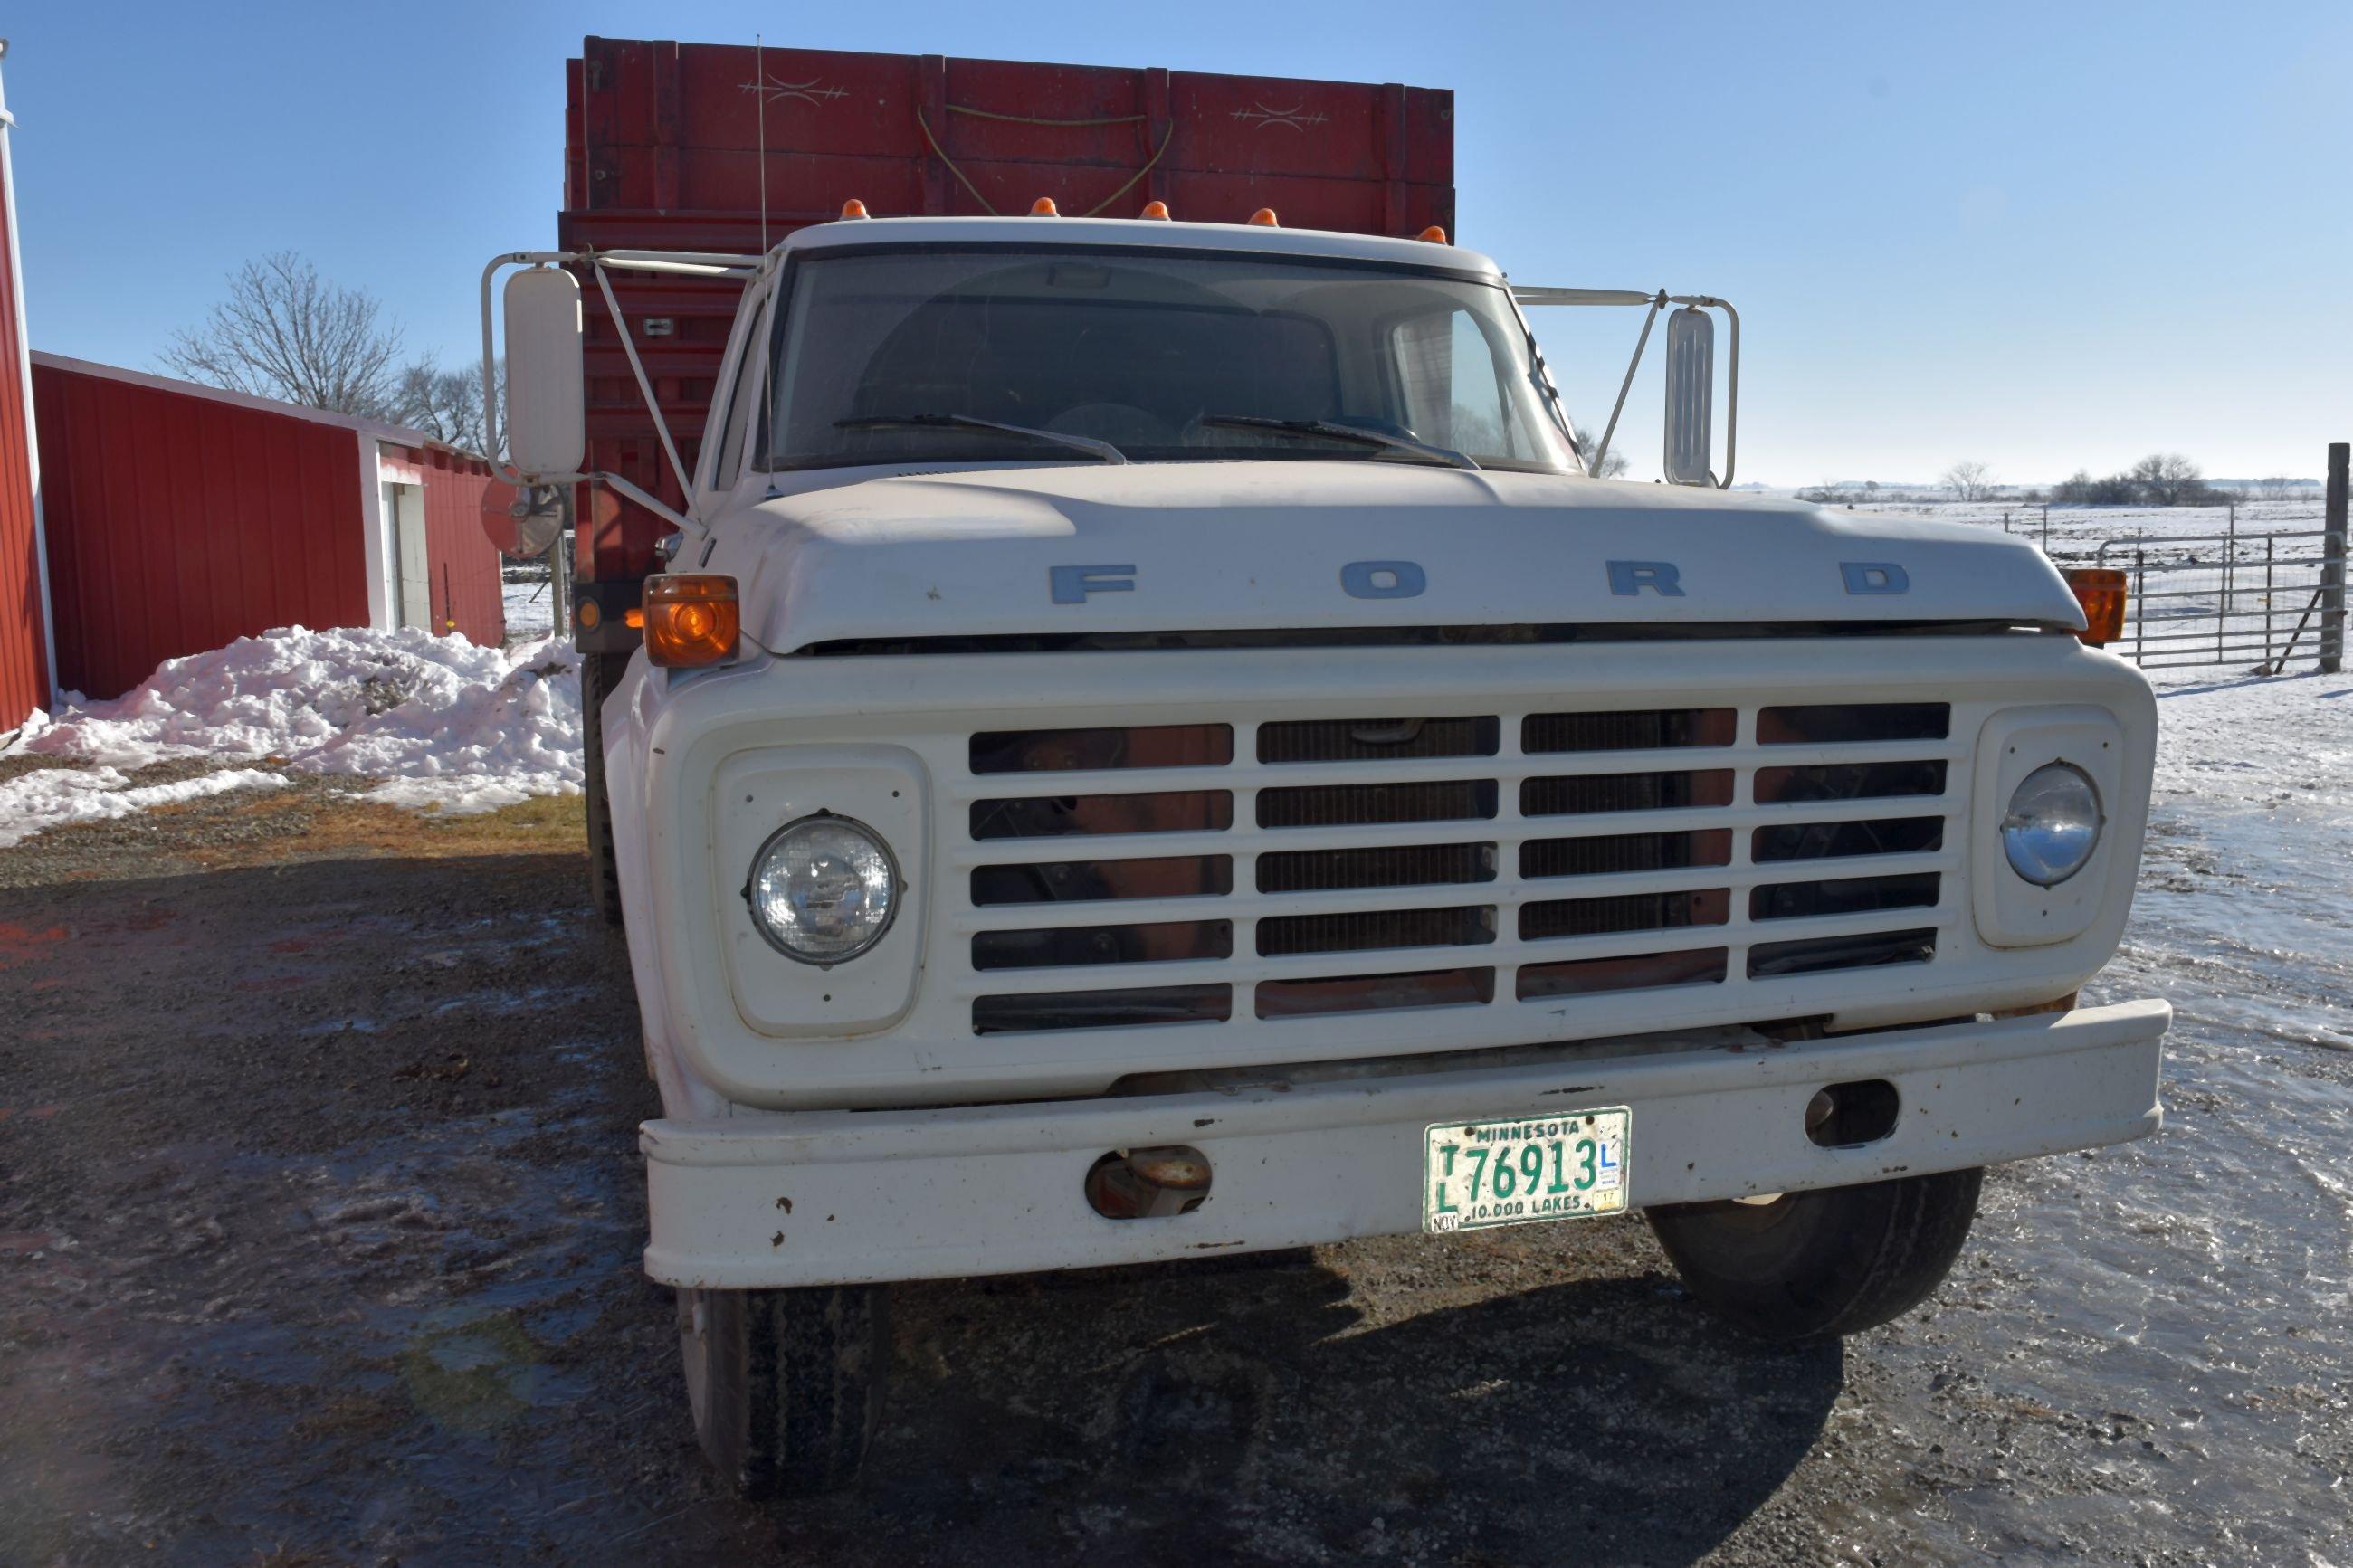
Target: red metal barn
<point x="182" y="517"/>
<point x="24" y="612"/>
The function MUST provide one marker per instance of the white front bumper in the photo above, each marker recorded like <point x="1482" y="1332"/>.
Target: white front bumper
<point x="837" y="1196"/>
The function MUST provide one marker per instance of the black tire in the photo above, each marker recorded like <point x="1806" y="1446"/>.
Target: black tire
<point x="1837" y="1261"/>
<point x="599" y="673"/>
<point x="785" y="1386"/>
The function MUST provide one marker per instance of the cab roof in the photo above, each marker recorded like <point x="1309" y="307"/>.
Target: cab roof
<point x="1092" y="232"/>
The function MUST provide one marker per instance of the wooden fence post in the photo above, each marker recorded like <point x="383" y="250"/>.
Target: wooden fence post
<point x="2332" y="567"/>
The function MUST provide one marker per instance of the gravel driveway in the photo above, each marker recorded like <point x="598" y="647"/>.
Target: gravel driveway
<point x="320" y="1206"/>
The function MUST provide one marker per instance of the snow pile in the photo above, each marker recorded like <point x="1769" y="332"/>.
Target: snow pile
<point x="445" y="723"/>
<point x="51" y="797"/>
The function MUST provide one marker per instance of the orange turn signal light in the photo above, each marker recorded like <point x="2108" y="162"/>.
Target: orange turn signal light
<point x="692" y="619"/>
<point x="1154" y="210"/>
<point x="853" y="207"/>
<point x="1044" y="208"/>
<point x="635" y="619"/>
<point x="2101" y="591"/>
<point x="1264" y="218"/>
<point x="1434" y="234"/>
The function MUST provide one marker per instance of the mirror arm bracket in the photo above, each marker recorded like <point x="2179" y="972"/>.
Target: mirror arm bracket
<point x="1657" y="302"/>
<point x="693" y="264"/>
<point x="1524" y="296"/>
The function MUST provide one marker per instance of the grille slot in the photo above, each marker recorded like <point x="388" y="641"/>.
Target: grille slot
<point x="1822" y="954"/>
<point x="1406" y="866"/>
<point x="1849" y="780"/>
<point x="1067" y="751"/>
<point x="1362" y="930"/>
<point x="1358" y="805"/>
<point x="1056" y="816"/>
<point x="1844" y="840"/>
<point x="1376" y="992"/>
<point x="1624" y="913"/>
<point x="1846" y="723"/>
<point x="1639" y="972"/>
<point x="1087" y="881"/>
<point x="1583" y="794"/>
<point x="1375" y="740"/>
<point x="1103" y="1009"/>
<point x="1842" y="896"/>
<point x="1607" y="854"/>
<point x="1056" y="947"/>
<point x="1637" y="730"/>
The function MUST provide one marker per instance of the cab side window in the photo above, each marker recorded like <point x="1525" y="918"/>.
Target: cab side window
<point x="740" y="404"/>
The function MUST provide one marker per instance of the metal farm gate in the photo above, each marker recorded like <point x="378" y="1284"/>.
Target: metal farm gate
<point x="2256" y="599"/>
<point x="2260" y="600"/>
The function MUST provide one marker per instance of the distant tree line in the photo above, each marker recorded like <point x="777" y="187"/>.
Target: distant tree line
<point x="2161" y="479"/>
<point x="284" y="332"/>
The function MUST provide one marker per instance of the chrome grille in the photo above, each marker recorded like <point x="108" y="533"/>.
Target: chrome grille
<point x="1324" y="864"/>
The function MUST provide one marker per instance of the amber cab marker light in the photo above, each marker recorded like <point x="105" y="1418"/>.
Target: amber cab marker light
<point x="2101" y="591"/>
<point x="635" y="619"/>
<point x="692" y="619"/>
<point x="1434" y="234"/>
<point x="853" y="207"/>
<point x="1264" y="218"/>
<point x="1154" y="210"/>
<point x="1044" y="208"/>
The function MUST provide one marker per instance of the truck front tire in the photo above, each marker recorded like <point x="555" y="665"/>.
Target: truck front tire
<point x="785" y="1386"/>
<point x="599" y="673"/>
<point x="1836" y="1261"/>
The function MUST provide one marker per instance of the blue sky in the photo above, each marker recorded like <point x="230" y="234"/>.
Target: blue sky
<point x="2041" y="237"/>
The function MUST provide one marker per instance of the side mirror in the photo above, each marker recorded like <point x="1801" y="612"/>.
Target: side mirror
<point x="1691" y="397"/>
<point x="546" y="385"/>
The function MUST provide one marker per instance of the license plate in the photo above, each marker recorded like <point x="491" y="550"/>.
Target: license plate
<point x="1478" y="1175"/>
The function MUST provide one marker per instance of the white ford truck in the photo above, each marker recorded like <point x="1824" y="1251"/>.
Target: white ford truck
<point x="1149" y="744"/>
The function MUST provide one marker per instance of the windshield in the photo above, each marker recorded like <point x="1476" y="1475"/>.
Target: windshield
<point x="1158" y="355"/>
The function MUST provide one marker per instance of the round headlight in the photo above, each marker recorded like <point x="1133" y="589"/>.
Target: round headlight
<point x="2053" y="825"/>
<point x="823" y="889"/>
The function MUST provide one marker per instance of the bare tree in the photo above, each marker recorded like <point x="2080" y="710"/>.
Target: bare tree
<point x="1613" y="462"/>
<point x="446" y="404"/>
<point x="2275" y="486"/>
<point x="2167" y="479"/>
<point x="1969" y="480"/>
<point x="286" y="333"/>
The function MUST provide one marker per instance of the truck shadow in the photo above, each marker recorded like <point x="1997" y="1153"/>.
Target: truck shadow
<point x="1231" y="1414"/>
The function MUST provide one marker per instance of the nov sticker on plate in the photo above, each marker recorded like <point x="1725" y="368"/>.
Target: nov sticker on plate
<point x="1480" y="1174"/>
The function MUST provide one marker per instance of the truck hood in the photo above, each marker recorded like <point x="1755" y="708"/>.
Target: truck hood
<point x="1243" y="546"/>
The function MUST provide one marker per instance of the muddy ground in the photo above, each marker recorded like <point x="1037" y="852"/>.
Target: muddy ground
<point x="320" y="1207"/>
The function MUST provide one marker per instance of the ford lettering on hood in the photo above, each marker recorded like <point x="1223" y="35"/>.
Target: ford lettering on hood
<point x="1328" y="545"/>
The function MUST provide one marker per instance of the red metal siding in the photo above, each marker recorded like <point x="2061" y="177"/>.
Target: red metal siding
<point x="178" y="523"/>
<point x="24" y="662"/>
<point x="467" y="595"/>
<point x="660" y="150"/>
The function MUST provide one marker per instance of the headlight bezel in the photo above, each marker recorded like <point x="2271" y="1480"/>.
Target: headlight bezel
<point x="2008" y="827"/>
<point x="2010" y="911"/>
<point x="896" y="885"/>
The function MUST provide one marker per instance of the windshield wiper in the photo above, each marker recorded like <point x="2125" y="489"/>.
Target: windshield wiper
<point x="1338" y="432"/>
<point x="1103" y="451"/>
